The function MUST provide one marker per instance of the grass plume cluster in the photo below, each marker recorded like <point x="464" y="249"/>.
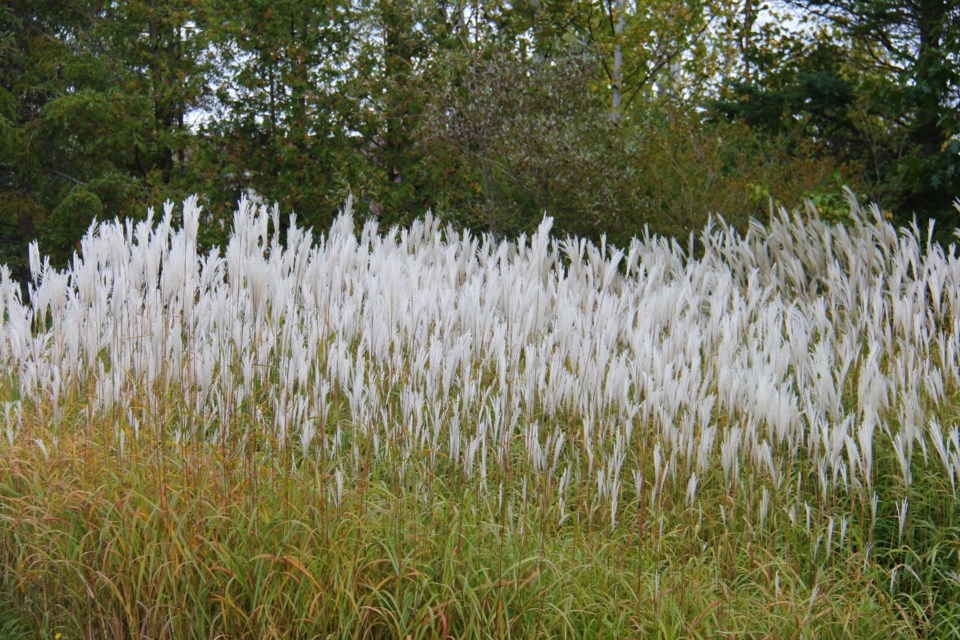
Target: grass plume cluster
<point x="425" y="433"/>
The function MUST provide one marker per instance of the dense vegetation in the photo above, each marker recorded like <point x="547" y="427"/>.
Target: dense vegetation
<point x="419" y="432"/>
<point x="607" y="115"/>
<point x="629" y="419"/>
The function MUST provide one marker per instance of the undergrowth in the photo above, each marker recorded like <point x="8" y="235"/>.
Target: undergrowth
<point x="200" y="541"/>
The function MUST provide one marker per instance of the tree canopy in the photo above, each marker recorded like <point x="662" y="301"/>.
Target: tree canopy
<point x="610" y="115"/>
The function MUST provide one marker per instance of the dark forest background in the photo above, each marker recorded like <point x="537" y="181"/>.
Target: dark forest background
<point x="609" y="115"/>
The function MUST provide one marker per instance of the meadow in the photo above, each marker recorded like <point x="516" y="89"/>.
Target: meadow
<point x="422" y="432"/>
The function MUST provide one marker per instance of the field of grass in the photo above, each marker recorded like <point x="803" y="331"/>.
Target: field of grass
<point x="422" y="433"/>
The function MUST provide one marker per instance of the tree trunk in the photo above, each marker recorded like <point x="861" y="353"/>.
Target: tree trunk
<point x="618" y="20"/>
<point x="929" y="132"/>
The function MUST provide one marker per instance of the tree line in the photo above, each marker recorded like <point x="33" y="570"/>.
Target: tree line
<point x="612" y="116"/>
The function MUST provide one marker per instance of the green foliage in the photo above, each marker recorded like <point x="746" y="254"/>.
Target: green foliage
<point x="490" y="113"/>
<point x="92" y="115"/>
<point x="663" y="168"/>
<point x="876" y="91"/>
